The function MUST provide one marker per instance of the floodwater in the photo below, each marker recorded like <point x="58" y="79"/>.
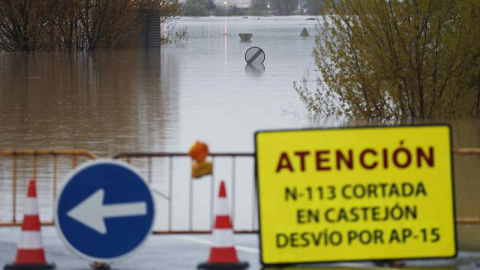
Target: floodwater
<point x="164" y="99"/>
<point x="159" y="100"/>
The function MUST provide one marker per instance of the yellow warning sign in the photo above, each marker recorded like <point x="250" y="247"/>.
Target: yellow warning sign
<point x="355" y="194"/>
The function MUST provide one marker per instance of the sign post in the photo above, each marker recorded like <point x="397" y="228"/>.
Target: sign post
<point x="355" y="194"/>
<point x="105" y="210"/>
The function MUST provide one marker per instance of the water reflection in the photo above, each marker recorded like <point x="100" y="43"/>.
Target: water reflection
<point x="225" y="50"/>
<point x="254" y="70"/>
<point x="95" y="100"/>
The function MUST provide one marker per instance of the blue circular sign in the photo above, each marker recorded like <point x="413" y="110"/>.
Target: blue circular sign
<point x="105" y="210"/>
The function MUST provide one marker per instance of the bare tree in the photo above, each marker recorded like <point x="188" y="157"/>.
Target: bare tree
<point x="24" y="24"/>
<point x="30" y="25"/>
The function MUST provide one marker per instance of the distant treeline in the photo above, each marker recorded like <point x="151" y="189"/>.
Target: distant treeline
<point x="32" y="25"/>
<point x="257" y="8"/>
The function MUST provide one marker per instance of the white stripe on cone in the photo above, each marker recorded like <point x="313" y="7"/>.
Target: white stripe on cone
<point x="30" y="240"/>
<point x="31" y="206"/>
<point x="222" y="207"/>
<point x="222" y="238"/>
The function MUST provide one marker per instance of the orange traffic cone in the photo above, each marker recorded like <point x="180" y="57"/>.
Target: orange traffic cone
<point x="30" y="253"/>
<point x="223" y="254"/>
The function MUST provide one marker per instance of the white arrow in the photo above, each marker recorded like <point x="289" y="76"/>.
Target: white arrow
<point x="91" y="212"/>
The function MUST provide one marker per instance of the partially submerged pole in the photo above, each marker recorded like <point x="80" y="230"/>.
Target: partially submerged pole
<point x="245" y="36"/>
<point x="304" y="32"/>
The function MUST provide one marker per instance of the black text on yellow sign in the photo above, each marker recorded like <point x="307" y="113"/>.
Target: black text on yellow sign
<point x="355" y="194"/>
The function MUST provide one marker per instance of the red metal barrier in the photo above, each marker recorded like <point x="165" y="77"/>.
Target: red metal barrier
<point x="27" y="162"/>
<point x="148" y="159"/>
<point x="149" y="156"/>
<point x="32" y="161"/>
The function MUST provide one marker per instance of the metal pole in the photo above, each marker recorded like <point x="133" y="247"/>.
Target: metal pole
<point x="14" y="197"/>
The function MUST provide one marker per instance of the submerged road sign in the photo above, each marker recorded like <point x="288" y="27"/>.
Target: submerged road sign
<point x="105" y="210"/>
<point x="355" y="194"/>
<point x="254" y="55"/>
